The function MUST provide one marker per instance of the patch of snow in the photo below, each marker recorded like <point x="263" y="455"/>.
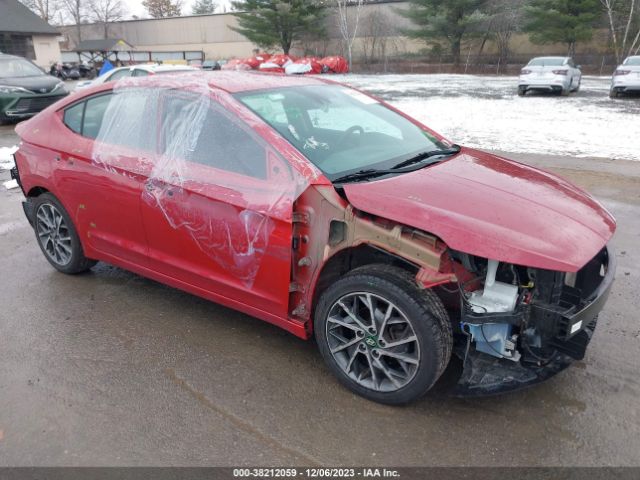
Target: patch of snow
<point x="10" y="184"/>
<point x="6" y="158"/>
<point x="486" y="112"/>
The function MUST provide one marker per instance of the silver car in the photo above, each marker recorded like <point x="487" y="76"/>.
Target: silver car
<point x="626" y="78"/>
<point x="141" y="70"/>
<point x="550" y="74"/>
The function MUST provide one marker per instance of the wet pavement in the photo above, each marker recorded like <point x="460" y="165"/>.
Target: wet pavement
<point x="108" y="368"/>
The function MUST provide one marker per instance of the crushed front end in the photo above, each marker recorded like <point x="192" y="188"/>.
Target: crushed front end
<point x="519" y="326"/>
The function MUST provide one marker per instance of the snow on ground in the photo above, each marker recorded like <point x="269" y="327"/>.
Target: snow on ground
<point x="485" y="112"/>
<point x="10" y="184"/>
<point x="6" y="159"/>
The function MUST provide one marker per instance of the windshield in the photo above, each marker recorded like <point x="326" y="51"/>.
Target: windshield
<point x="546" y="61"/>
<point x="339" y="129"/>
<point x="635" y="61"/>
<point x="17" y="68"/>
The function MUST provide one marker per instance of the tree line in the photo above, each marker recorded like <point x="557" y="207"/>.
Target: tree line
<point x="444" y="25"/>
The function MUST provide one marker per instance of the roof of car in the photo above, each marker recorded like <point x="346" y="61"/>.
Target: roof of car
<point x="235" y="82"/>
<point x="230" y="81"/>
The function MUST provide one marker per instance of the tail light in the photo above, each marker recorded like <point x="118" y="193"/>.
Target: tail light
<point x="524" y="71"/>
<point x="560" y="72"/>
<point x="621" y="72"/>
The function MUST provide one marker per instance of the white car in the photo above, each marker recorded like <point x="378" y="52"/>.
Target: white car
<point x="550" y="74"/>
<point x="142" y="70"/>
<point x="626" y="78"/>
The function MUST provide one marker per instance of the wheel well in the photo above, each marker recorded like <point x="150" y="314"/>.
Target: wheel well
<point x="37" y="191"/>
<point x="350" y="258"/>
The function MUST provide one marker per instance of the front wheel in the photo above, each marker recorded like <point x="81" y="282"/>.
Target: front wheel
<point x="381" y="335"/>
<point x="57" y="236"/>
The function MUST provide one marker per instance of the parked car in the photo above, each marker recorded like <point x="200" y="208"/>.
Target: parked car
<point x="210" y="65"/>
<point x="626" y="78"/>
<point x="25" y="89"/>
<point x="326" y="212"/>
<point x="550" y="74"/>
<point x="142" y="70"/>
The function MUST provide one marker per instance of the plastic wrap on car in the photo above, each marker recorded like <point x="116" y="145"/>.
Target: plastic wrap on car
<point x="138" y="138"/>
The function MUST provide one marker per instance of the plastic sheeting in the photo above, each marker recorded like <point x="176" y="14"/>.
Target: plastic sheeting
<point x="335" y="64"/>
<point x="205" y="169"/>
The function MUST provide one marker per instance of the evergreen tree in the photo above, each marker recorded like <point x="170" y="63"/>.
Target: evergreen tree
<point x="279" y="23"/>
<point x="449" y="21"/>
<point x="163" y="8"/>
<point x="203" y="7"/>
<point x="562" y="21"/>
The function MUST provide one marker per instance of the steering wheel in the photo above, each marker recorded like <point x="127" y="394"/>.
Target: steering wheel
<point x="348" y="133"/>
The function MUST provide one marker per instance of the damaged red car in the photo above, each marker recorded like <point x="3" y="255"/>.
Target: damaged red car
<point x="329" y="213"/>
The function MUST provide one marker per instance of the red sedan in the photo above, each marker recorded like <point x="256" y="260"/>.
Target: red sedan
<point x="326" y="212"/>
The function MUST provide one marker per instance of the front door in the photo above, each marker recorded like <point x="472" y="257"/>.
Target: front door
<point x="217" y="206"/>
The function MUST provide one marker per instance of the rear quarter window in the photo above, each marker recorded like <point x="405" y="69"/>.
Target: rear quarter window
<point x="73" y="117"/>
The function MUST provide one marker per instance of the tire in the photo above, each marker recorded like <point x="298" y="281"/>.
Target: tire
<point x="613" y="93"/>
<point x="417" y="319"/>
<point x="57" y="237"/>
<point x="522" y="91"/>
<point x="577" y="89"/>
<point x="565" y="91"/>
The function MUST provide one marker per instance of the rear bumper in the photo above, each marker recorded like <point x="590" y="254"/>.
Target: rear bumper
<point x="543" y="84"/>
<point x="486" y="375"/>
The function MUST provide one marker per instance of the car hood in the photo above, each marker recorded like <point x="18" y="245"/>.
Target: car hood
<point x="35" y="84"/>
<point x="495" y="208"/>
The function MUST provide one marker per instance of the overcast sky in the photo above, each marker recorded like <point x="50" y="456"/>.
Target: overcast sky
<point x="134" y="7"/>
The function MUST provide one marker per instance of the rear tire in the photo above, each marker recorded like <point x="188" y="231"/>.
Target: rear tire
<point x="613" y="93"/>
<point x="381" y="335"/>
<point x="565" y="91"/>
<point x="522" y="91"/>
<point x="57" y="237"/>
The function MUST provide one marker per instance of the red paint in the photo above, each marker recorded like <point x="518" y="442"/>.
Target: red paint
<point x="475" y="202"/>
<point x="495" y="208"/>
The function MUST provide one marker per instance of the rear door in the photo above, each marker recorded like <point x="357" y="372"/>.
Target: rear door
<point x="99" y="178"/>
<point x="217" y="206"/>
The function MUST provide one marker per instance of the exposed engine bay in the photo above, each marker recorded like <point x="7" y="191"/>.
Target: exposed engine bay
<point x="535" y="321"/>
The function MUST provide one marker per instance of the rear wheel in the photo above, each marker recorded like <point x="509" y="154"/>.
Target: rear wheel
<point x="613" y="93"/>
<point x="566" y="91"/>
<point x="522" y="91"/>
<point x="57" y="236"/>
<point x="381" y="335"/>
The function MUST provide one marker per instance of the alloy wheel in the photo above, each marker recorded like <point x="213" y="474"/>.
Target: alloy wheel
<point x="53" y="234"/>
<point x="372" y="341"/>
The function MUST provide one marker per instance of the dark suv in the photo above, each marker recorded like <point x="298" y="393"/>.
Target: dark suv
<point x="25" y="89"/>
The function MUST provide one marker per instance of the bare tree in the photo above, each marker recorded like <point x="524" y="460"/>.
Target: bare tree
<point x="75" y="9"/>
<point x="624" y="26"/>
<point x="506" y="18"/>
<point x="48" y="10"/>
<point x="348" y="19"/>
<point x="378" y="33"/>
<point x="106" y="12"/>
